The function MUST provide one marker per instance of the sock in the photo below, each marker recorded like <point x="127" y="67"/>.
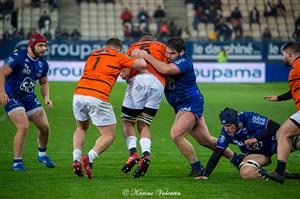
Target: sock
<point x="17" y="161"/>
<point x="131" y="143"/>
<point x="92" y="155"/>
<point x="280" y="167"/>
<point x="132" y="151"/>
<point x="77" y="155"/>
<point x="196" y="165"/>
<point x="145" y="145"/>
<point x="42" y="151"/>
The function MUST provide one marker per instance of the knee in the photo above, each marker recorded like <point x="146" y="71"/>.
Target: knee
<point x="175" y="136"/>
<point x="23" y="127"/>
<point x="248" y="173"/>
<point x="44" y="128"/>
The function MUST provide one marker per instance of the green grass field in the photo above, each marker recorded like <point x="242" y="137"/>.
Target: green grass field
<point x="168" y="169"/>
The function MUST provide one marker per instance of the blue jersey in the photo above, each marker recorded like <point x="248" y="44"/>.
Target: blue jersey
<point x="21" y="82"/>
<point x="253" y="126"/>
<point x="182" y="91"/>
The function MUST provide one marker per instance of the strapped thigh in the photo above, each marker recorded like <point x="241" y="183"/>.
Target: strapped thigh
<point x="251" y="163"/>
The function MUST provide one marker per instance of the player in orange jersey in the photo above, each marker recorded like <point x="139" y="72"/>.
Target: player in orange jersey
<point x="91" y="101"/>
<point x="291" y="127"/>
<point x="141" y="102"/>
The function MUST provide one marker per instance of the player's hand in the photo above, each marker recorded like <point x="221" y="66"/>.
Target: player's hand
<point x="125" y="74"/>
<point x="3" y="98"/>
<point x="271" y="98"/>
<point x="135" y="53"/>
<point x="143" y="53"/>
<point x="250" y="141"/>
<point x="201" y="178"/>
<point x="49" y="103"/>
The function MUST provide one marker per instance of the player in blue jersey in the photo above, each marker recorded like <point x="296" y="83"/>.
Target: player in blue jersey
<point x="255" y="136"/>
<point x="18" y="77"/>
<point x="187" y="101"/>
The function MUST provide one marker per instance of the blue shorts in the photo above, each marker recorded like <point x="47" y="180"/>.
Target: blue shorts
<point x="30" y="104"/>
<point x="194" y="104"/>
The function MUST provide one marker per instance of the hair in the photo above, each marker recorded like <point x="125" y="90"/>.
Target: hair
<point x="147" y="37"/>
<point x="291" y="47"/>
<point x="176" y="43"/>
<point x="114" y="42"/>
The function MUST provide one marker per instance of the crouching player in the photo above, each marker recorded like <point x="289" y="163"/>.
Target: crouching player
<point x="256" y="137"/>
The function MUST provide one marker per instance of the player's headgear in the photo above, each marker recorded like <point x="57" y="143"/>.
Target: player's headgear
<point x="36" y="38"/>
<point x="229" y="116"/>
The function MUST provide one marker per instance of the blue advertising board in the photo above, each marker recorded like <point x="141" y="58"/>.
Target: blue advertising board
<point x="78" y="50"/>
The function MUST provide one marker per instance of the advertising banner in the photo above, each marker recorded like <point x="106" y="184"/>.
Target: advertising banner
<point x="230" y="72"/>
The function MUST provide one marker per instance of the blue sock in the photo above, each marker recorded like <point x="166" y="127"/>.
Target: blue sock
<point x="17" y="161"/>
<point x="196" y="165"/>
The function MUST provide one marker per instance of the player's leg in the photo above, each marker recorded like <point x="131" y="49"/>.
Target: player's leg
<point x="102" y="115"/>
<point x="153" y="97"/>
<point x="201" y="133"/>
<point x="82" y="123"/>
<point x="251" y="164"/>
<point x="20" y="120"/>
<point x="39" y="118"/>
<point x="183" y="124"/>
<point x="288" y="129"/>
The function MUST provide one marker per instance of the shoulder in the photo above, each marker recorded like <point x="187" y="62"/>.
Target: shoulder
<point x="183" y="60"/>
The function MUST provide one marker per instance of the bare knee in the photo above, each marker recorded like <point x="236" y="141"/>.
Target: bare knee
<point x="22" y="127"/>
<point x="248" y="172"/>
<point x="176" y="136"/>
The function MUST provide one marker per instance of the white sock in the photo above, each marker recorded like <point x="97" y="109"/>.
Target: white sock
<point x="131" y="142"/>
<point x="145" y="144"/>
<point x="77" y="155"/>
<point x="42" y="154"/>
<point x="92" y="155"/>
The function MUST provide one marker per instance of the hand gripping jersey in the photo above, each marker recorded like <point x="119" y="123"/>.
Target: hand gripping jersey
<point x="154" y="48"/>
<point x="21" y="82"/>
<point x="101" y="71"/>
<point x="253" y="126"/>
<point x="294" y="82"/>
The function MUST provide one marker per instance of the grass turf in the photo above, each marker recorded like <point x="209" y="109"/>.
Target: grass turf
<point x="166" y="176"/>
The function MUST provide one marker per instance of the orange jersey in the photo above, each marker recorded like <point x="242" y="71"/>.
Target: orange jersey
<point x="294" y="82"/>
<point x="101" y="71"/>
<point x="154" y="48"/>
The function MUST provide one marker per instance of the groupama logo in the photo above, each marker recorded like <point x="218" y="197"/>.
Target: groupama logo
<point x="230" y="72"/>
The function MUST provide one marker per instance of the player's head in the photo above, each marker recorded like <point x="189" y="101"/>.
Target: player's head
<point x="115" y="43"/>
<point x="230" y="120"/>
<point x="290" y="52"/>
<point x="147" y="37"/>
<point x="175" y="48"/>
<point x="38" y="44"/>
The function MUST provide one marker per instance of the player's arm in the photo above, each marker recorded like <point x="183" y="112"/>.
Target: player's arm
<point x="213" y="161"/>
<point x="271" y="130"/>
<point x="5" y="71"/>
<point x="163" y="68"/>
<point x="44" y="87"/>
<point x="285" y="96"/>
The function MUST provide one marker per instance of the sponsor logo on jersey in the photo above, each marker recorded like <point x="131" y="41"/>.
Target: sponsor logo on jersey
<point x="26" y="70"/>
<point x="177" y="62"/>
<point x="185" y="109"/>
<point x="40" y="64"/>
<point x="258" y="120"/>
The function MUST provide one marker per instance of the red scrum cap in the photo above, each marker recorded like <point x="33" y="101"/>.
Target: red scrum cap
<point x="36" y="38"/>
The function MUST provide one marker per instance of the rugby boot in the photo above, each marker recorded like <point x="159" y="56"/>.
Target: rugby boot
<point x="46" y="161"/>
<point x="77" y="168"/>
<point x="143" y="167"/>
<point x="289" y="175"/>
<point x="132" y="160"/>
<point x="87" y="166"/>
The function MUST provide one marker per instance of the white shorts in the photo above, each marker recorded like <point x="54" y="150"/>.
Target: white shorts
<point x="144" y="90"/>
<point x="296" y="117"/>
<point x="101" y="113"/>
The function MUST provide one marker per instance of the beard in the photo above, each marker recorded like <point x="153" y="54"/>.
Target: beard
<point x="286" y="63"/>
